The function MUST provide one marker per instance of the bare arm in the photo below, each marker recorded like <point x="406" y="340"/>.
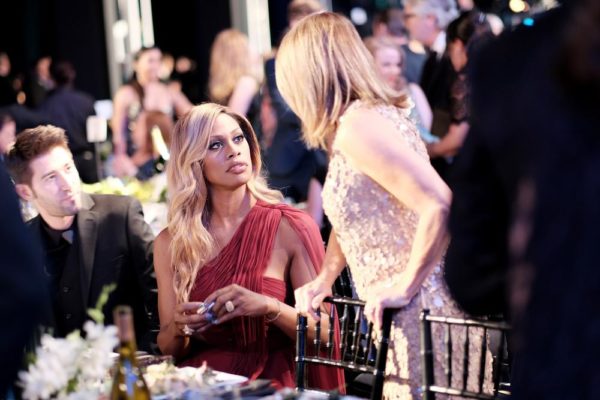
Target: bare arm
<point x="450" y="144"/>
<point x="243" y="94"/>
<point x="180" y="101"/>
<point x="122" y="163"/>
<point x="123" y="100"/>
<point x="387" y="159"/>
<point x="302" y="271"/>
<point x="314" y="203"/>
<point x="310" y="296"/>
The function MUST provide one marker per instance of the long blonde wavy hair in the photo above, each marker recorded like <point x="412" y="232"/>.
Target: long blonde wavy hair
<point x="230" y="59"/>
<point x="192" y="244"/>
<point x="322" y="65"/>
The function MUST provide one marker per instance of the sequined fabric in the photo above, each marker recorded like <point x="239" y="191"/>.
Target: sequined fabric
<point x="375" y="232"/>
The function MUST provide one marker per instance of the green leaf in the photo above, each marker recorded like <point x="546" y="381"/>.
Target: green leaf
<point x="30" y="358"/>
<point x="96" y="313"/>
<point x="72" y="384"/>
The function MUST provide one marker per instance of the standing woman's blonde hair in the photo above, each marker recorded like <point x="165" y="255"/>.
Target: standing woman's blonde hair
<point x="192" y="243"/>
<point x="322" y="65"/>
<point x="230" y="59"/>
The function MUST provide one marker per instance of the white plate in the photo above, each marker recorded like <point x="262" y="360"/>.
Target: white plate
<point x="223" y="379"/>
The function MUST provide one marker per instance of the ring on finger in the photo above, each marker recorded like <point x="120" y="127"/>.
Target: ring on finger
<point x="229" y="306"/>
<point x="187" y="331"/>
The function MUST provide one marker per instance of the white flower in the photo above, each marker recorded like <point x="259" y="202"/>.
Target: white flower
<point x="96" y="360"/>
<point x="63" y="361"/>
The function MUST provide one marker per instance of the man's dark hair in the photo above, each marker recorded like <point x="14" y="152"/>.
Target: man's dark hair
<point x="30" y="144"/>
<point x="62" y="72"/>
<point x="393" y="18"/>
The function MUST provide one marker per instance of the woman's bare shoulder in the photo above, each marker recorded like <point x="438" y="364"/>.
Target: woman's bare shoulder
<point x="162" y="242"/>
<point x="295" y="234"/>
<point x="358" y="125"/>
<point x="126" y="92"/>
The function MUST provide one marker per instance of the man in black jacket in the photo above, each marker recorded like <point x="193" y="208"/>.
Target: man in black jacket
<point x="90" y="241"/>
<point x="426" y="22"/>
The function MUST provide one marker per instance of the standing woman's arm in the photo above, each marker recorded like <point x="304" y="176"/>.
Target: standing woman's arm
<point x="388" y="160"/>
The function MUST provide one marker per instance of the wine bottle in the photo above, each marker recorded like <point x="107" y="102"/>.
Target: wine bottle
<point x="128" y="382"/>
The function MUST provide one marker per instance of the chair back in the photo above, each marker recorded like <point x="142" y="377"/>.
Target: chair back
<point x="493" y="332"/>
<point x="359" y="352"/>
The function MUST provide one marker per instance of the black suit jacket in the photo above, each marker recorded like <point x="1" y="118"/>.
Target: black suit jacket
<point x="528" y="175"/>
<point x="22" y="285"/>
<point x="115" y="246"/>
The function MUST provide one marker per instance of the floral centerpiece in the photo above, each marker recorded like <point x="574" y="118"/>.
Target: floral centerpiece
<point x="74" y="367"/>
<point x="151" y="193"/>
<point x="152" y="190"/>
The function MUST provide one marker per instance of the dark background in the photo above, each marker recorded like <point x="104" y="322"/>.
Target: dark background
<point x="74" y="30"/>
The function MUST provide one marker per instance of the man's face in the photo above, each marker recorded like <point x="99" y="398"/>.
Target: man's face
<point x="55" y="187"/>
<point x="421" y="27"/>
<point x="7" y="136"/>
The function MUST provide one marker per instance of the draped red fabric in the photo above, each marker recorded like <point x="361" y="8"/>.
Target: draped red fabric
<point x="249" y="346"/>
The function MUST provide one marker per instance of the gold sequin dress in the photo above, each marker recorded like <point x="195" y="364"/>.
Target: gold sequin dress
<point x="375" y="231"/>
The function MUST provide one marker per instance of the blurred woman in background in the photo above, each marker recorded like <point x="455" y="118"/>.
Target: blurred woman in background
<point x="390" y="59"/>
<point x="143" y="93"/>
<point x="235" y="74"/>
<point x="464" y="36"/>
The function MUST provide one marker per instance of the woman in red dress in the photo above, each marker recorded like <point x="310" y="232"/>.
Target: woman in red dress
<point x="233" y="248"/>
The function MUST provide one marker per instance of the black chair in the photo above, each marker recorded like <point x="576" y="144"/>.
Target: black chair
<point x="343" y="286"/>
<point x="493" y="331"/>
<point x="358" y="352"/>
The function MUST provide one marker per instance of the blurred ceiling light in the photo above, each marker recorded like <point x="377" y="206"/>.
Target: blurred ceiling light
<point x="120" y="29"/>
<point x="518" y="6"/>
<point x="358" y="15"/>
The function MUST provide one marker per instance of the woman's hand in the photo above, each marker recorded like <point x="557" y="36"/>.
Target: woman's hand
<point x="123" y="166"/>
<point x="310" y="296"/>
<point x="234" y="301"/>
<point x="187" y="321"/>
<point x="396" y="296"/>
